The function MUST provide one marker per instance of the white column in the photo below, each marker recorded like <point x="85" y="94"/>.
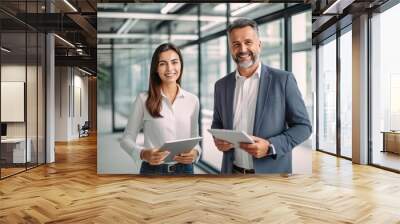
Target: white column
<point x="50" y="99"/>
<point x="360" y="90"/>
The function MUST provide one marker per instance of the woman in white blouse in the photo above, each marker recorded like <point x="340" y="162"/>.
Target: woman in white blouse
<point x="165" y="112"/>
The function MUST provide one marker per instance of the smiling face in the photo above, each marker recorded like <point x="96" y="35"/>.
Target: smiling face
<point x="169" y="67"/>
<point x="245" y="46"/>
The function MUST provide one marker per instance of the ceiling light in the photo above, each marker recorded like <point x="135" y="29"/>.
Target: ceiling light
<point x="221" y="7"/>
<point x="156" y="16"/>
<point x="84" y="71"/>
<point x="64" y="40"/>
<point x="209" y="26"/>
<point x="127" y="26"/>
<point x="128" y="46"/>
<point x="130" y="26"/>
<point x="244" y="9"/>
<point x="168" y="7"/>
<point x="234" y="6"/>
<point x="70" y="5"/>
<point x="5" y="49"/>
<point x="146" y="35"/>
<point x="337" y="7"/>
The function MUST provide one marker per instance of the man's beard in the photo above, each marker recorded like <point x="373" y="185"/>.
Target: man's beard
<point x="246" y="64"/>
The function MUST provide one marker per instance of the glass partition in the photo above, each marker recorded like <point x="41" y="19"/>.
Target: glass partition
<point x="31" y="98"/>
<point x="22" y="87"/>
<point x="15" y="151"/>
<point x="272" y="39"/>
<point x="346" y="94"/>
<point x="190" y="77"/>
<point x="213" y="64"/>
<point x="327" y="96"/>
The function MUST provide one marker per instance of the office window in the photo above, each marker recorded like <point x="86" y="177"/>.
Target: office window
<point x="301" y="58"/>
<point x="131" y="74"/>
<point x="183" y="32"/>
<point x="301" y="27"/>
<point x="272" y="39"/>
<point x="213" y="65"/>
<point x="301" y="31"/>
<point x="123" y="91"/>
<point x="212" y="26"/>
<point x="385" y="85"/>
<point x="346" y="94"/>
<point x="301" y="68"/>
<point x="104" y="61"/>
<point x="190" y="81"/>
<point x="327" y="96"/>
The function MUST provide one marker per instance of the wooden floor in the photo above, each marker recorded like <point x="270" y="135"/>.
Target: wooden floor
<point x="70" y="191"/>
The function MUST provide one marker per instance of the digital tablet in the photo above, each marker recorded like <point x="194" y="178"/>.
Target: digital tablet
<point x="177" y="147"/>
<point x="234" y="137"/>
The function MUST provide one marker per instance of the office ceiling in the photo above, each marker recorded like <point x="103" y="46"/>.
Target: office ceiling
<point x="330" y="15"/>
<point x="144" y="23"/>
<point x="74" y="22"/>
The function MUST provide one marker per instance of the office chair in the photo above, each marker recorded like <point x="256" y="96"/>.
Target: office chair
<point x="84" y="130"/>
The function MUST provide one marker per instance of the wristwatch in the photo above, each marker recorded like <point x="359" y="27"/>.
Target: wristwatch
<point x="271" y="151"/>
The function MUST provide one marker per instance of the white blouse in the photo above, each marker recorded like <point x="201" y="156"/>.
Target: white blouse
<point x="179" y="121"/>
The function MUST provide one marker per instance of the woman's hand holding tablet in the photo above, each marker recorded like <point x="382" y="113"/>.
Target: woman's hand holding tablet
<point x="182" y="148"/>
<point x="154" y="156"/>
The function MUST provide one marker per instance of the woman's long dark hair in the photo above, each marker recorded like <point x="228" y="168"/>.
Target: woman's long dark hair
<point x="153" y="102"/>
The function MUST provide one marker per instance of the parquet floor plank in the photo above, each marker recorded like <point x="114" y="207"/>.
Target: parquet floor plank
<point x="70" y="191"/>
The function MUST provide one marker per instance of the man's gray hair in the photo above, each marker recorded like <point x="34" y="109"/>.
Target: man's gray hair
<point x="240" y="23"/>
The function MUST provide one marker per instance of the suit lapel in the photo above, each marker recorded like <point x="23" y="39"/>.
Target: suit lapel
<point x="230" y="91"/>
<point x="262" y="97"/>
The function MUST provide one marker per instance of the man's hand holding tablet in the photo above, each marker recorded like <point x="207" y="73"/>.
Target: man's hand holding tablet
<point x="222" y="145"/>
<point x="258" y="149"/>
<point x="228" y="139"/>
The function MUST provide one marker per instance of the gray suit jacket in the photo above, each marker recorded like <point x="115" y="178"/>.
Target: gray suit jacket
<point x="281" y="118"/>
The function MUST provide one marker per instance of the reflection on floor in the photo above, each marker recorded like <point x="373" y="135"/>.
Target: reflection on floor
<point x="13" y="168"/>
<point x="387" y="159"/>
<point x="10" y="171"/>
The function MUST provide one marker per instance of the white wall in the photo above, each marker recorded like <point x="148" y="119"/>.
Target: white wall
<point x="69" y="85"/>
<point x="80" y="83"/>
<point x="14" y="73"/>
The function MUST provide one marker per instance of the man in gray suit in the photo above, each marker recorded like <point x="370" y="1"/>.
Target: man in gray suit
<point x="262" y="101"/>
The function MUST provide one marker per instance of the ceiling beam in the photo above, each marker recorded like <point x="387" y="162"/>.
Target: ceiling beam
<point x="337" y="7"/>
<point x="157" y="16"/>
<point x="146" y="35"/>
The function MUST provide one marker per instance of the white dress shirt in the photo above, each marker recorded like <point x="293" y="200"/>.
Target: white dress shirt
<point x="244" y="111"/>
<point x="179" y="121"/>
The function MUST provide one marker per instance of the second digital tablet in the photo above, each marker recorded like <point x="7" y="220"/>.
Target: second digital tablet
<point x="234" y="137"/>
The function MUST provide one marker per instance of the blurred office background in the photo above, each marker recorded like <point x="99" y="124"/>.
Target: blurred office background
<point x="129" y="33"/>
